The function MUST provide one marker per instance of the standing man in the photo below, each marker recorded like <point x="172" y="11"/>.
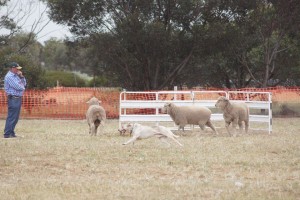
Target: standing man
<point x="14" y="85"/>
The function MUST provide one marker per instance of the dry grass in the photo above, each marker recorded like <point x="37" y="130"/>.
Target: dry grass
<point x="59" y="160"/>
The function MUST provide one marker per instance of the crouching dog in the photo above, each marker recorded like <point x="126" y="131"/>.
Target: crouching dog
<point x="139" y="131"/>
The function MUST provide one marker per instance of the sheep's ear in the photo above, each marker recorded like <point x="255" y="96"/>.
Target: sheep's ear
<point x="88" y="102"/>
<point x="99" y="101"/>
<point x="222" y="98"/>
<point x="226" y="100"/>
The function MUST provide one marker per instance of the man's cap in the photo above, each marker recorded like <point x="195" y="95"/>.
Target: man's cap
<point x="14" y="64"/>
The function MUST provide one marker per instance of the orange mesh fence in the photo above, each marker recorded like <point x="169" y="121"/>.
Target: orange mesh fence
<point x="63" y="103"/>
<point x="70" y="103"/>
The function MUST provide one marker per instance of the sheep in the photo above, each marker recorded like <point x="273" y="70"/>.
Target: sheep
<point x="234" y="113"/>
<point x="95" y="115"/>
<point x="183" y="115"/>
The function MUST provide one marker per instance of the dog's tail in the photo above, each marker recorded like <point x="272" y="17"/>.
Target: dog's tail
<point x="171" y="133"/>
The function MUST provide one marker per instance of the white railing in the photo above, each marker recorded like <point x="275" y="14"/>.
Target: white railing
<point x="145" y="106"/>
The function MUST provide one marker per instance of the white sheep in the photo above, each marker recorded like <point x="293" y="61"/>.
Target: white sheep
<point x="234" y="113"/>
<point x="95" y="115"/>
<point x="183" y="115"/>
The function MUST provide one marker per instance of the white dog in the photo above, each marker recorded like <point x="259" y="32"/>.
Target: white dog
<point x="139" y="131"/>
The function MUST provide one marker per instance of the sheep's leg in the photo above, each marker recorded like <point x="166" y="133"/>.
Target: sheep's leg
<point x="131" y="140"/>
<point x="181" y="128"/>
<point x="246" y="126"/>
<point x="102" y="123"/>
<point x="93" y="128"/>
<point x="96" y="129"/>
<point x="241" y="127"/>
<point x="202" y="127"/>
<point x="234" y="125"/>
<point x="89" y="126"/>
<point x="227" y="128"/>
<point x="210" y="125"/>
<point x="180" y="125"/>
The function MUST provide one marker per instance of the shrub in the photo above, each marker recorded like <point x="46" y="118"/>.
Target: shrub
<point x="98" y="82"/>
<point x="63" y="78"/>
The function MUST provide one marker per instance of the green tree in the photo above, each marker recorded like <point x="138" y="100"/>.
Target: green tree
<point x="55" y="55"/>
<point x="262" y="40"/>
<point x="27" y="58"/>
<point x="7" y="25"/>
<point x="252" y="43"/>
<point x="15" y="45"/>
<point x="146" y="44"/>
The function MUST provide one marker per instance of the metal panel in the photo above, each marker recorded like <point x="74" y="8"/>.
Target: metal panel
<point x="188" y="98"/>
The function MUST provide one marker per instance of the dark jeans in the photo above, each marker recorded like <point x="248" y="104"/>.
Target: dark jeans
<point x="14" y="108"/>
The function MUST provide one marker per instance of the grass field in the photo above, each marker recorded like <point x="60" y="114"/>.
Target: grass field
<point x="59" y="160"/>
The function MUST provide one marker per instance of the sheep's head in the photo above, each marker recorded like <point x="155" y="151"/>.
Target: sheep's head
<point x="126" y="128"/>
<point x="222" y="102"/>
<point x="93" y="101"/>
<point x="166" y="108"/>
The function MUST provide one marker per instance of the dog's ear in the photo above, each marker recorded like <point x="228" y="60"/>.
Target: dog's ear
<point x="128" y="126"/>
<point x="135" y="125"/>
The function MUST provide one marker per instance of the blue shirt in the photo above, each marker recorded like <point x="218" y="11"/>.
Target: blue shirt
<point x="13" y="84"/>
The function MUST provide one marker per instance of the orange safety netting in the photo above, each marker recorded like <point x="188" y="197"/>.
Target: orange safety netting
<point x="63" y="103"/>
<point x="70" y="103"/>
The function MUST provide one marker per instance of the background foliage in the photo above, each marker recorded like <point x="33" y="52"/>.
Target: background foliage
<point x="67" y="79"/>
<point x="150" y="45"/>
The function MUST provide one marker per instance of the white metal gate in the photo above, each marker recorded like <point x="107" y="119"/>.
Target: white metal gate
<point x="145" y="106"/>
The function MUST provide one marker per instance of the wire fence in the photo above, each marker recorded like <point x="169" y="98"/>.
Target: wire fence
<point x="70" y="102"/>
